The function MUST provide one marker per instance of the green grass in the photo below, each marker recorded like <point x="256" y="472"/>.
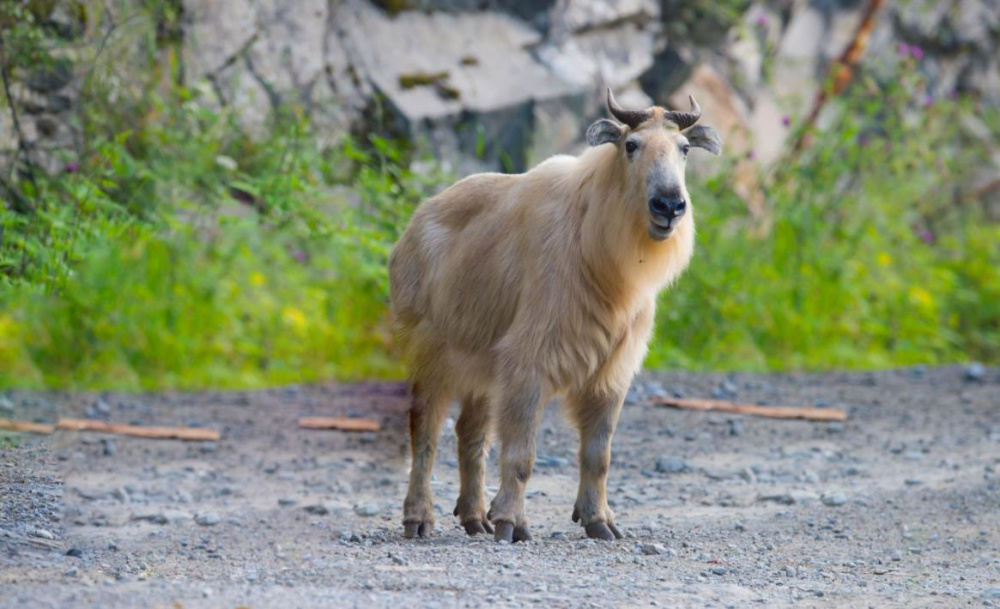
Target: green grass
<point x="181" y="254"/>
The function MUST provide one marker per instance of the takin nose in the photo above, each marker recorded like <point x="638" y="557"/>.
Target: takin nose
<point x="667" y="208"/>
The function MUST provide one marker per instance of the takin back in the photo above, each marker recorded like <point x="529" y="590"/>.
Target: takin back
<point x="510" y="290"/>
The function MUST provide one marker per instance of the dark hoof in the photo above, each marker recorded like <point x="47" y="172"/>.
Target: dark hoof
<point x="603" y="530"/>
<point x="477" y="528"/>
<point x="506" y="531"/>
<point x="576" y="514"/>
<point x="417" y="529"/>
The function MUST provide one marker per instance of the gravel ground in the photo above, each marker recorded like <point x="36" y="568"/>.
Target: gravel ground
<point x="898" y="507"/>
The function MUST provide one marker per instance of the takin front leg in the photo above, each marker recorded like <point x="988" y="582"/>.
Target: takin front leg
<point x="596" y="415"/>
<point x="472" y="429"/>
<point x="427" y="412"/>
<point x="517" y="416"/>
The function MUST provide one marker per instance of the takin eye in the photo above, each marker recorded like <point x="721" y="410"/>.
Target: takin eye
<point x="631" y="146"/>
<point x="685" y="148"/>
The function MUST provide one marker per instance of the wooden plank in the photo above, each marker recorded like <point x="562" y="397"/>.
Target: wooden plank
<point x="341" y="423"/>
<point x="197" y="434"/>
<point x="774" y="412"/>
<point x="42" y="428"/>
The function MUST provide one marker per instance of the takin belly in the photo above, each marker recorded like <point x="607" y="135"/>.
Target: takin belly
<point x="602" y="354"/>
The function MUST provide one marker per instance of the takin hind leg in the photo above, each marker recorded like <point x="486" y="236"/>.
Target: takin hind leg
<point x="428" y="408"/>
<point x="596" y="415"/>
<point x="473" y="428"/>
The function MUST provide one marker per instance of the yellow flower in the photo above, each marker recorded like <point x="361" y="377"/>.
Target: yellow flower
<point x="921" y="297"/>
<point x="884" y="259"/>
<point x="294" y="318"/>
<point x="257" y="279"/>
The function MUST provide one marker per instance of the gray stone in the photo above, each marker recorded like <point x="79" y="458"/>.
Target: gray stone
<point x="652" y="549"/>
<point x="613" y="57"/>
<point x="975" y="372"/>
<point x="367" y="510"/>
<point x="317" y="509"/>
<point x="833" y="499"/>
<point x="667" y="464"/>
<point x="208" y="519"/>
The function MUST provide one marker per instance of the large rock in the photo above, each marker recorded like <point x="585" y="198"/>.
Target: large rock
<point x="533" y="11"/>
<point x="258" y="59"/>
<point x="471" y="74"/>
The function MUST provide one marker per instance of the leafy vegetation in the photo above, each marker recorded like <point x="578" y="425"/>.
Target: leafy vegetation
<point x="876" y="256"/>
<point x="188" y="256"/>
<point x="178" y="252"/>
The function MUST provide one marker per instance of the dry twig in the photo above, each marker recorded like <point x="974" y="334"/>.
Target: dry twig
<point x="341" y="423"/>
<point x="774" y="412"/>
<point x="140" y="431"/>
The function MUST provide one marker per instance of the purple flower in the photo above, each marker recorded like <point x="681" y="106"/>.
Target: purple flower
<point x="928" y="101"/>
<point x="953" y="95"/>
<point x="916" y="52"/>
<point x="762" y="20"/>
<point x="71" y="168"/>
<point x="927" y="236"/>
<point x="786" y="120"/>
<point x="751" y="155"/>
<point x="902" y="49"/>
<point x="301" y="257"/>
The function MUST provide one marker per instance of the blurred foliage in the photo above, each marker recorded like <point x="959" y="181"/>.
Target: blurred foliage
<point x="188" y="255"/>
<point x="875" y="256"/>
<point x="178" y="252"/>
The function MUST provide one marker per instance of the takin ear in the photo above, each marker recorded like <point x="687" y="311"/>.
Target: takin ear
<point x="605" y="131"/>
<point x="701" y="136"/>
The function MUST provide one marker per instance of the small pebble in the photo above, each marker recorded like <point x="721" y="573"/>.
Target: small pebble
<point x="975" y="372"/>
<point x="208" y="519"/>
<point x="367" y="509"/>
<point x="719" y="570"/>
<point x="652" y="549"/>
<point x="44" y="534"/>
<point x="833" y="499"/>
<point x="667" y="464"/>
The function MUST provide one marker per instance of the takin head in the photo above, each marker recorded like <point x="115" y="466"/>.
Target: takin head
<point x="653" y="146"/>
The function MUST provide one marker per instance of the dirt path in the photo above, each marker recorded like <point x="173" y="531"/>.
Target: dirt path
<point x="900" y="506"/>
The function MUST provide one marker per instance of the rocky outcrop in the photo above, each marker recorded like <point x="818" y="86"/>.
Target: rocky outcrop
<point x="500" y="84"/>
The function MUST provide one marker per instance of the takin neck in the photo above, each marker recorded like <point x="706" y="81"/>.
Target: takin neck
<point x="622" y="264"/>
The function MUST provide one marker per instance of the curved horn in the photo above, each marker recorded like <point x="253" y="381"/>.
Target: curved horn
<point x="685" y="119"/>
<point x="632" y="118"/>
